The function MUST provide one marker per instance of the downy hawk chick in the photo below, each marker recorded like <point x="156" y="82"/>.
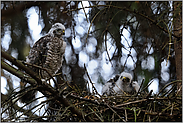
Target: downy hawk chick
<point x="123" y="83"/>
<point x="108" y="87"/>
<point x="119" y="84"/>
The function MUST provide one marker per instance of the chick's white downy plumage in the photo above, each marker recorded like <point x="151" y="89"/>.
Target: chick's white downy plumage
<point x="119" y="84"/>
<point x="48" y="51"/>
<point x="108" y="87"/>
<point x="123" y="83"/>
<point x="135" y="86"/>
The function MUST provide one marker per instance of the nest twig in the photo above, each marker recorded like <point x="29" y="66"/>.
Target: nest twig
<point x="73" y="105"/>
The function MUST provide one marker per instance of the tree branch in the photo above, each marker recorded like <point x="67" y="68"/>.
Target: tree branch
<point x="27" y="112"/>
<point x="128" y="10"/>
<point x="21" y="66"/>
<point x="44" y="88"/>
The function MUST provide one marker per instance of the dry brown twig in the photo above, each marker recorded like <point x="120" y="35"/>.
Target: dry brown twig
<point x="91" y="81"/>
<point x="111" y="108"/>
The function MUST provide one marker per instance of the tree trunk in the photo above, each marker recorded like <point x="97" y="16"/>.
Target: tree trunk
<point x="178" y="41"/>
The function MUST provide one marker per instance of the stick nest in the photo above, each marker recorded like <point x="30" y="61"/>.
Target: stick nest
<point x="130" y="107"/>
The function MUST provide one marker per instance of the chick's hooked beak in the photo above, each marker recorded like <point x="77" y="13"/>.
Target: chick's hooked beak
<point x="123" y="78"/>
<point x="63" y="32"/>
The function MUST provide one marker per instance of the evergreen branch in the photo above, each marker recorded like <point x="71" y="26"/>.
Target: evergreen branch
<point x="155" y="22"/>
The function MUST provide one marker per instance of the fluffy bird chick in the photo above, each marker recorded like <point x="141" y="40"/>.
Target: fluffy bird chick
<point x="108" y="87"/>
<point x="135" y="86"/>
<point x="123" y="83"/>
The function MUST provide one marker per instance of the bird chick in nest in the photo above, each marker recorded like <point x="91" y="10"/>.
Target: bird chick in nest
<point x="120" y="84"/>
<point x="123" y="84"/>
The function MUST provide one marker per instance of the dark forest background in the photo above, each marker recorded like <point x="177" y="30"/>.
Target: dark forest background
<point x="151" y="25"/>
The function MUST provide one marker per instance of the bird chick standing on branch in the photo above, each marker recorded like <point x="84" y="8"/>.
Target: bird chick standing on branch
<point x="47" y="53"/>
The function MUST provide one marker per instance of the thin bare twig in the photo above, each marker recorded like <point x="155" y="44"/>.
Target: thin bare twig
<point x="147" y="86"/>
<point x="92" y="22"/>
<point x="137" y="101"/>
<point x="84" y="12"/>
<point x="91" y="81"/>
<point x="106" y="48"/>
<point x="116" y="113"/>
<point x="168" y="85"/>
<point x="170" y="38"/>
<point x="96" y="114"/>
<point x="155" y="22"/>
<point x="140" y="86"/>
